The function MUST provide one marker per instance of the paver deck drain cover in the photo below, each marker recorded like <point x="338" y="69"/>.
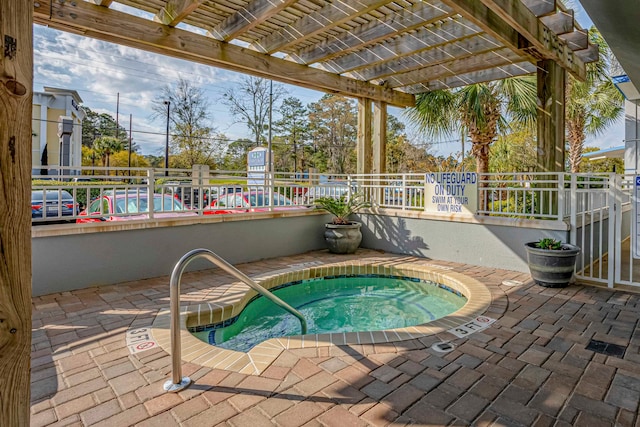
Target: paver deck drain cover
<point x="606" y="348"/>
<point x="443" y="347"/>
<point x="512" y="283"/>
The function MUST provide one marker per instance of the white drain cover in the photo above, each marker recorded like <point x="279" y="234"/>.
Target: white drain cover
<point x="512" y="283"/>
<point x="443" y="347"/>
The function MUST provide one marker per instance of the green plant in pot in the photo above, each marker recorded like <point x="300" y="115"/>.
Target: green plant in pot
<point x="551" y="262"/>
<point x="342" y="235"/>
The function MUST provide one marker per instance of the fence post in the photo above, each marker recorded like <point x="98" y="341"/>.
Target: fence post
<point x="573" y="218"/>
<point x="561" y="196"/>
<point x="424" y="191"/>
<point x="151" y="185"/>
<point x="615" y="229"/>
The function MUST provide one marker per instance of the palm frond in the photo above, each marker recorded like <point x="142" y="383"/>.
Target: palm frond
<point x="520" y="95"/>
<point x="435" y="113"/>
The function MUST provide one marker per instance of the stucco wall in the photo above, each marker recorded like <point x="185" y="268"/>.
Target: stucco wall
<point x="490" y="242"/>
<point x="76" y="256"/>
<point x="76" y="261"/>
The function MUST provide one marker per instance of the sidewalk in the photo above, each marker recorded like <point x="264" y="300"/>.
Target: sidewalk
<point x="531" y="367"/>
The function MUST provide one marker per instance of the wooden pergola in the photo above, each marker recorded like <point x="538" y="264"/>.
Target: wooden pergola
<point x="381" y="52"/>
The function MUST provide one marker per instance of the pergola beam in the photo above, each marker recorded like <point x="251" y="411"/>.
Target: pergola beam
<point x="511" y="70"/>
<point x="576" y="40"/>
<point x="248" y="17"/>
<point x="480" y="61"/>
<point x="540" y="7"/>
<point x="547" y="44"/>
<point x="590" y="54"/>
<point x="105" y="3"/>
<point x="406" y="44"/>
<point x="560" y="22"/>
<point x="332" y="15"/>
<point x="419" y="15"/>
<point x="435" y="55"/>
<point x="117" y="27"/>
<point x="175" y="11"/>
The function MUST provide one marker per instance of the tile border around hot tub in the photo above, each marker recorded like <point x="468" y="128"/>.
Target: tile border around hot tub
<point x="231" y="299"/>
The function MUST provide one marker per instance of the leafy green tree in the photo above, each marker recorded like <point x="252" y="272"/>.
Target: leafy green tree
<point x="121" y="159"/>
<point x="407" y="153"/>
<point x="515" y="151"/>
<point x="249" y="103"/>
<point x="154" y="161"/>
<point x="293" y="129"/>
<point x="193" y="140"/>
<point x="481" y="109"/>
<point x="95" y="125"/>
<point x="397" y="146"/>
<point x="601" y="165"/>
<point x="235" y="157"/>
<point x="333" y="130"/>
<point x="593" y="105"/>
<point x="105" y="146"/>
<point x="90" y="158"/>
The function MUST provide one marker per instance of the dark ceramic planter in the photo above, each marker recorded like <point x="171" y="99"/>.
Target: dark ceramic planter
<point x="552" y="268"/>
<point x="343" y="238"/>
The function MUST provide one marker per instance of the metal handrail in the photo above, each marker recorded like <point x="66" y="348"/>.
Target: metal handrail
<point x="178" y="382"/>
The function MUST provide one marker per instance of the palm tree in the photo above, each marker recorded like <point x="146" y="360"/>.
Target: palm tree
<point x="592" y="105"/>
<point x="480" y="109"/>
<point x="105" y="146"/>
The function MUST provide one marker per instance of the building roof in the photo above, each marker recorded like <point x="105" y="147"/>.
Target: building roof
<point x="617" y="21"/>
<point x="607" y="153"/>
<point x="65" y="92"/>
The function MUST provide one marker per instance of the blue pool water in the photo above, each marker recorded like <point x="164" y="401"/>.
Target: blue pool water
<point x="340" y="304"/>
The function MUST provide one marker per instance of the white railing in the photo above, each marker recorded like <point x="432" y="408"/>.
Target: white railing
<point x="121" y="192"/>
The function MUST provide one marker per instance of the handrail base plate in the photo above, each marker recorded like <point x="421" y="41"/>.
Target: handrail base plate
<point x="171" y="387"/>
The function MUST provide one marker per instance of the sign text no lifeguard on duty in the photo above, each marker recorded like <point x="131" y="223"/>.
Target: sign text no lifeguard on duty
<point x="451" y="193"/>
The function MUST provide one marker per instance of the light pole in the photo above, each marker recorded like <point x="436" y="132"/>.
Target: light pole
<point x="166" y="146"/>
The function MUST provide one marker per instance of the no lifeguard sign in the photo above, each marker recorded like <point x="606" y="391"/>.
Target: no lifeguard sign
<point x="451" y="193"/>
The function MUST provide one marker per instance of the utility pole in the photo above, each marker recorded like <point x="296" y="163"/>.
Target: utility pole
<point x="117" y="115"/>
<point x="166" y="146"/>
<point x="270" y="117"/>
<point x="269" y="145"/>
<point x="130" y="142"/>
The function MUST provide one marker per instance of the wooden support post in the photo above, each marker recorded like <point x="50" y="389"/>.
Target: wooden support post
<point x="379" y="137"/>
<point x="551" y="139"/>
<point x="16" y="82"/>
<point x="551" y="87"/>
<point x="379" y="145"/>
<point x="364" y="136"/>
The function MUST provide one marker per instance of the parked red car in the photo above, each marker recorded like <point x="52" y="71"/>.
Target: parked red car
<point x="249" y="201"/>
<point x="132" y="205"/>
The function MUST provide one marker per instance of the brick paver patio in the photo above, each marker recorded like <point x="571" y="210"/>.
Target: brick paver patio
<point x="531" y="367"/>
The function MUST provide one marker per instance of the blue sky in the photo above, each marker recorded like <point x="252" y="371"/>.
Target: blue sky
<point x="98" y="71"/>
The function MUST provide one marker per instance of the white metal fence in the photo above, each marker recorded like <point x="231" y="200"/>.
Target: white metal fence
<point x="516" y="195"/>
<point x="597" y="207"/>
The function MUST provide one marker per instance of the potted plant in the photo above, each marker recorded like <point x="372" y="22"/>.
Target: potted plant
<point x="551" y="262"/>
<point x="342" y="235"/>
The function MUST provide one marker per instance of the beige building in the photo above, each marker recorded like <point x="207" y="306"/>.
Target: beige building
<point x="57" y="131"/>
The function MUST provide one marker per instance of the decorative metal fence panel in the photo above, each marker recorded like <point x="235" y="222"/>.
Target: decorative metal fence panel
<point x="598" y="207"/>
